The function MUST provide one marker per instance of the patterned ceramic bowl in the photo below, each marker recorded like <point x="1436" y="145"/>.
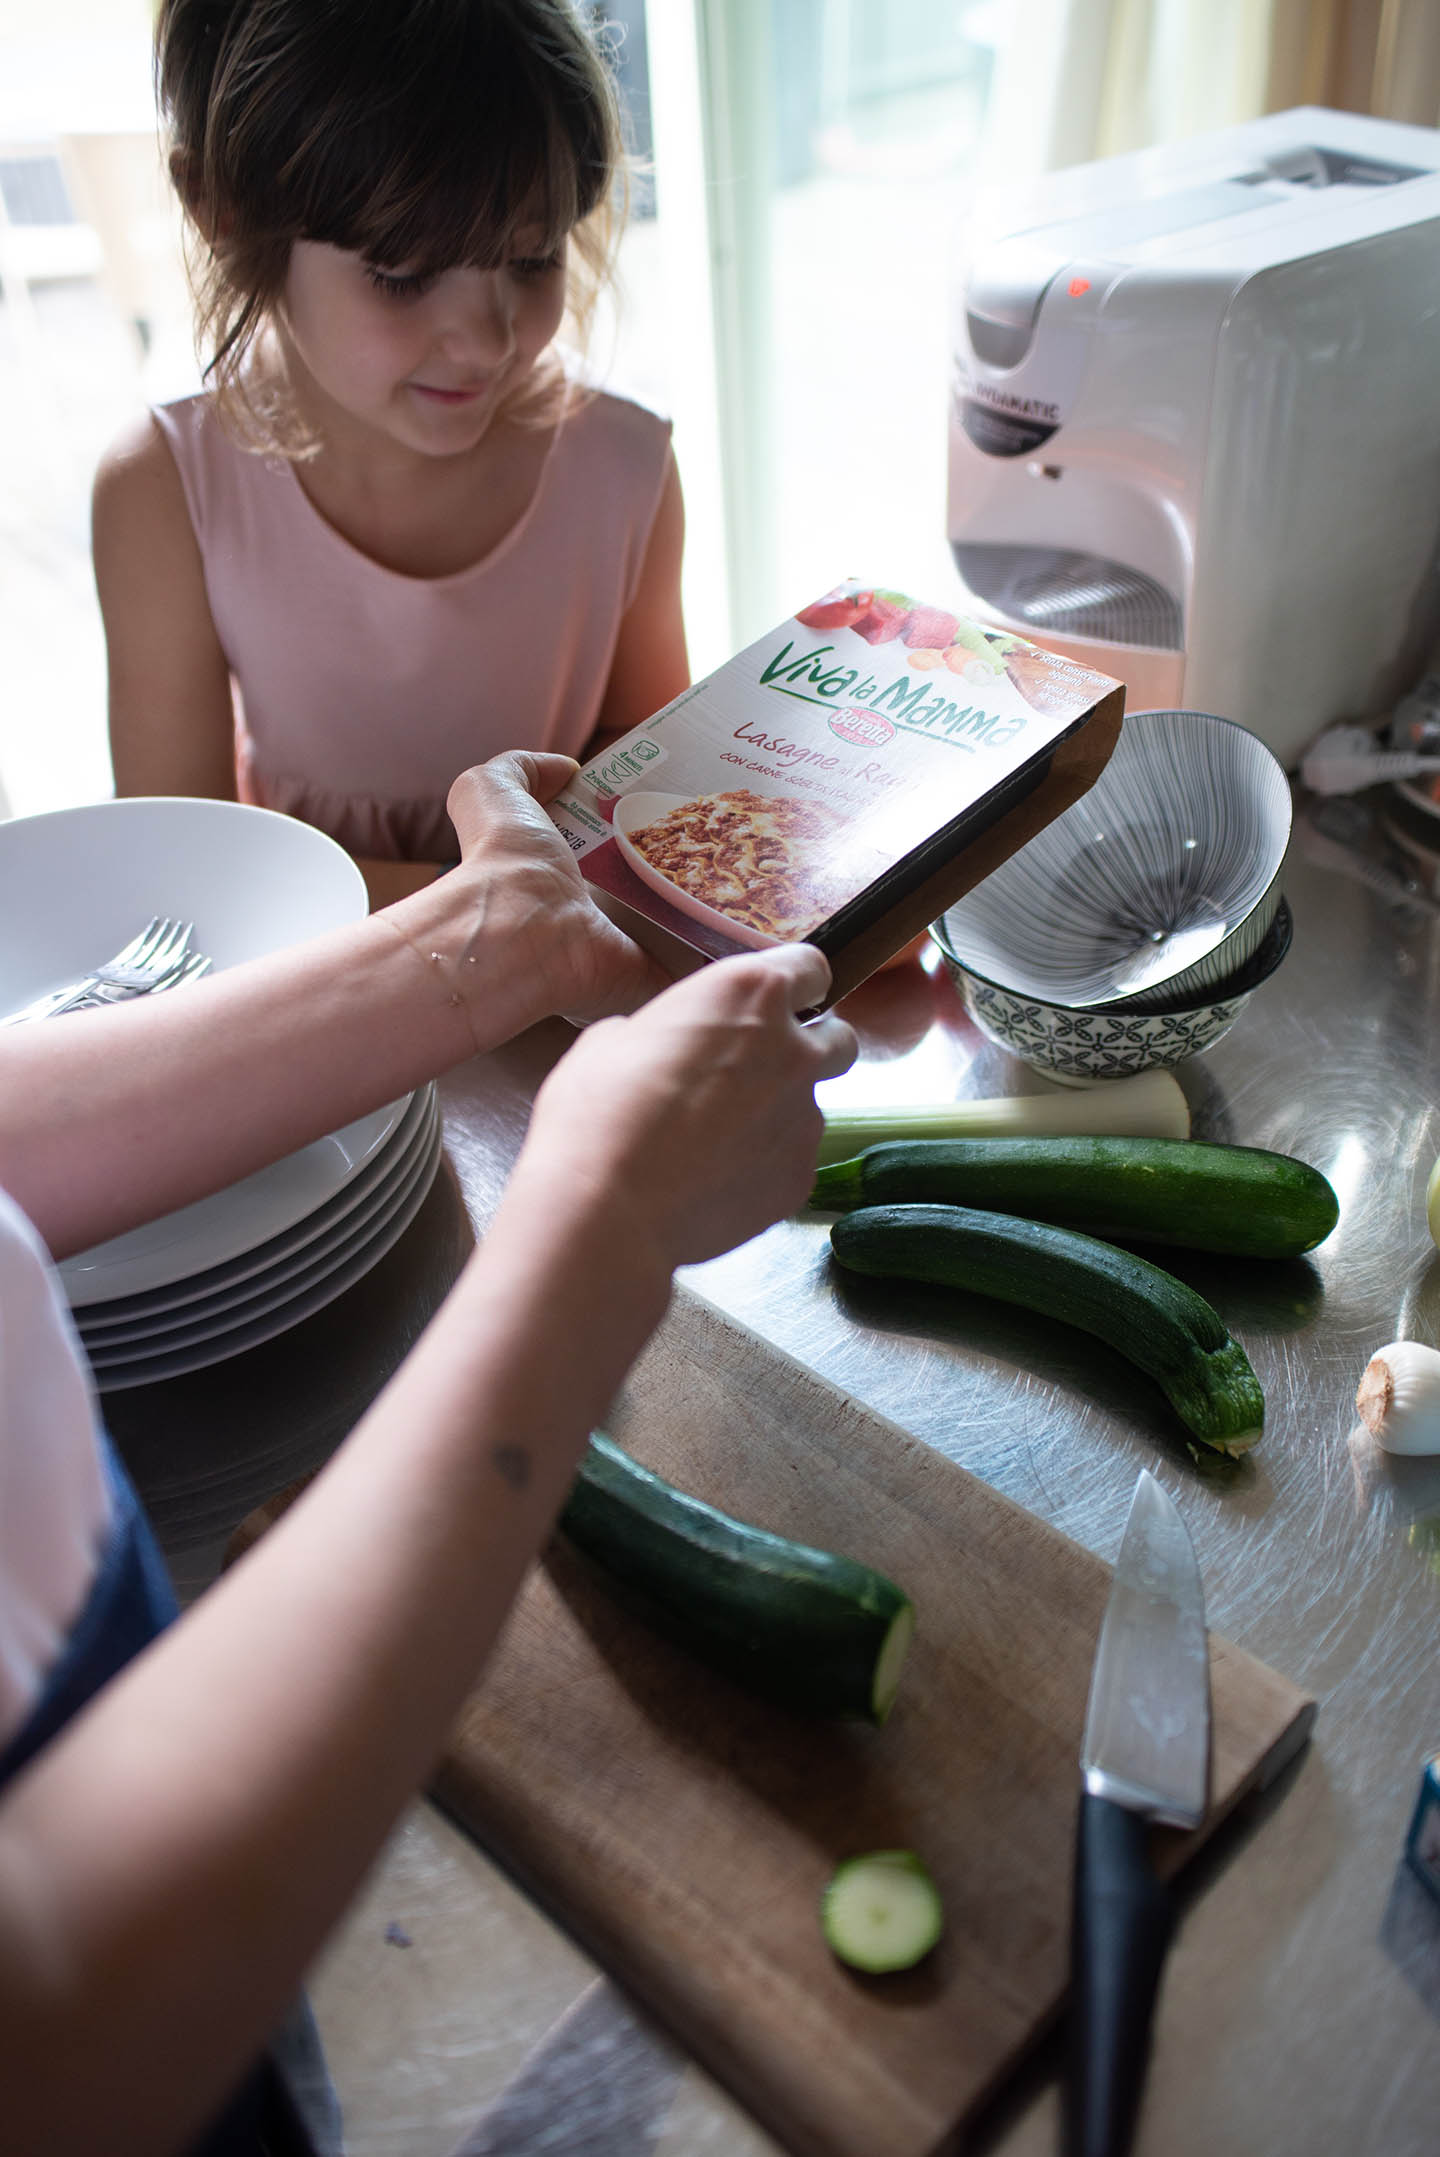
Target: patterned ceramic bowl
<point x="1114" y="1040"/>
<point x="1164" y="878"/>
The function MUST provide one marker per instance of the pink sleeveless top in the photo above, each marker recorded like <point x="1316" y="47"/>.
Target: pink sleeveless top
<point x="364" y="693"/>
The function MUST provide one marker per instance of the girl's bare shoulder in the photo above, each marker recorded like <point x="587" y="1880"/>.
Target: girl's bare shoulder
<point x="138" y="508"/>
<point x="138" y="467"/>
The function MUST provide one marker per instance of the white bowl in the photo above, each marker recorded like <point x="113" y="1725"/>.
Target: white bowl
<point x="1164" y="878"/>
<point x="77" y="884"/>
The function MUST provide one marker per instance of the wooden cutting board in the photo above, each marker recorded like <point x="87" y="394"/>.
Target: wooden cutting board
<point x="684" y="1832"/>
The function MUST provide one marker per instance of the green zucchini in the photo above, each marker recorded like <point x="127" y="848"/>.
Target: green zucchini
<point x="808" y="1628"/>
<point x="1237" y="1199"/>
<point x="881" y="1912"/>
<point x="1156" y="1321"/>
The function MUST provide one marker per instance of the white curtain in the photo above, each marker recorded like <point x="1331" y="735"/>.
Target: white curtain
<point x="1080" y="79"/>
<point x="1179" y="67"/>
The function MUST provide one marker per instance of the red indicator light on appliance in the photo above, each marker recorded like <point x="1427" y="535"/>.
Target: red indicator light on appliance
<point x="1078" y="285"/>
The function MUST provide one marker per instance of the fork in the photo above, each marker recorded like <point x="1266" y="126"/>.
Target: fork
<point x="144" y="963"/>
<point x="161" y="955"/>
<point x="163" y="946"/>
<point x="189" y="968"/>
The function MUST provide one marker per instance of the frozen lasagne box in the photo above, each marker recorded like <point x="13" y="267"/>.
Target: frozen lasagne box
<point x="842" y="781"/>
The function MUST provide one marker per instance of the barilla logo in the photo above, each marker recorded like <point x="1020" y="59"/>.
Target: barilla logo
<point x="867" y="729"/>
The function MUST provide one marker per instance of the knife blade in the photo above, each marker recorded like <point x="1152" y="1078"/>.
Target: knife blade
<point x="1145" y="1758"/>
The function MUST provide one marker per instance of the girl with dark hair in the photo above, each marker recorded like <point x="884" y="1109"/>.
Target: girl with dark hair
<point x="398" y="532"/>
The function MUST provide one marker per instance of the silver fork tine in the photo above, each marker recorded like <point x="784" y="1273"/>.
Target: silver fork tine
<point x="150" y="942"/>
<point x="139" y="946"/>
<point x="159" y="944"/>
<point x="158" y="947"/>
<point x="176" y="947"/>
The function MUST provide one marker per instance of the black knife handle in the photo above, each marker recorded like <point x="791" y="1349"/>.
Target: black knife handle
<point x="1123" y="1919"/>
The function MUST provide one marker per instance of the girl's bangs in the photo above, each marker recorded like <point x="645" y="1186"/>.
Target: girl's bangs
<point x="435" y="220"/>
<point x="432" y="183"/>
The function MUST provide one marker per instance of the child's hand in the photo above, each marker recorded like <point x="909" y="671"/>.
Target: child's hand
<point x="693" y="1124"/>
<point x="535" y="909"/>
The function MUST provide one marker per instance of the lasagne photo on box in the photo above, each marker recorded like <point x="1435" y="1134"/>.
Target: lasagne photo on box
<point x="761" y="868"/>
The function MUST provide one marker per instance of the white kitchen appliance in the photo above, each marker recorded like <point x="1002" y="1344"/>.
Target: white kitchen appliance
<point x="1195" y="432"/>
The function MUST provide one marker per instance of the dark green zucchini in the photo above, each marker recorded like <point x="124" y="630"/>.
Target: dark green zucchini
<point x="808" y="1628"/>
<point x="1150" y="1317"/>
<point x="1237" y="1199"/>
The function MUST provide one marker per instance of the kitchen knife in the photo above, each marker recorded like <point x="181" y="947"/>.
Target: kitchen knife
<point x="1145" y="1758"/>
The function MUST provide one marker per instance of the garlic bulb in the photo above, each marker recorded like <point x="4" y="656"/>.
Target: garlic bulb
<point x="1399" y="1397"/>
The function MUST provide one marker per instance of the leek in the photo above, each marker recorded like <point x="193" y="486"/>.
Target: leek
<point x="1149" y="1105"/>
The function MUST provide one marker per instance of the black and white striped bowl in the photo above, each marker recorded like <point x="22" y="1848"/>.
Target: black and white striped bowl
<point x="1163" y="880"/>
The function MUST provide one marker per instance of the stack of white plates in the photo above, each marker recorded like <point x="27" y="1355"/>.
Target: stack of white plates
<point x="196" y="1286"/>
<point x="237" y="1269"/>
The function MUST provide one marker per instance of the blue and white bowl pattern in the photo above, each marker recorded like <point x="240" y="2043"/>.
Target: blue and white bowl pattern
<point x="1163" y="878"/>
<point x="1095" y="1044"/>
<point x="1112" y="1040"/>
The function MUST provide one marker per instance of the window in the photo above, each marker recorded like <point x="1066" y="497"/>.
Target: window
<point x="789" y="299"/>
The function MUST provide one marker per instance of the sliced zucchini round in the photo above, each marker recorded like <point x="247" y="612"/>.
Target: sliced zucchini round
<point x="881" y="1912"/>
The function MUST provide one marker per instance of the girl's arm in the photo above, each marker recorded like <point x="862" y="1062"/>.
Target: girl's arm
<point x="172" y="718"/>
<point x="172" y="722"/>
<point x="651" y="664"/>
<point x="171" y="1864"/>
<point x="97" y="1132"/>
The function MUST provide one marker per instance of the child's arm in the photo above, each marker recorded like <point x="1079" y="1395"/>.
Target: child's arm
<point x="651" y="664"/>
<point x="97" y="1133"/>
<point x="172" y="1863"/>
<point x="172" y="722"/>
<point x="172" y="716"/>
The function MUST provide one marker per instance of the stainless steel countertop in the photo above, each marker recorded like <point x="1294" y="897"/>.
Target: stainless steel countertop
<point x="1300" y="2005"/>
<point x="1299" y="2008"/>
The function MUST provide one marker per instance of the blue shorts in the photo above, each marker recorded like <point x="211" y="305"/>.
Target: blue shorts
<point x="130" y="1601"/>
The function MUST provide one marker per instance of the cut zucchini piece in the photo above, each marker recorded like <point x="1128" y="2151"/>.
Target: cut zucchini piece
<point x="881" y="1912"/>
<point x="811" y="1629"/>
